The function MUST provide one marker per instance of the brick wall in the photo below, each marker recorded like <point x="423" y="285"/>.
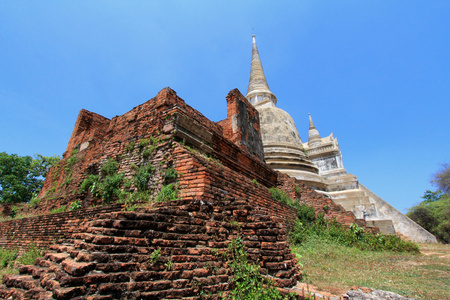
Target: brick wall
<point x="45" y="230"/>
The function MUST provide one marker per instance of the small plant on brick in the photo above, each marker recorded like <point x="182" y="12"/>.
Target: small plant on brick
<point x="168" y="192"/>
<point x="215" y="251"/>
<point x="147" y="152"/>
<point x="255" y="182"/>
<point x="75" y="205"/>
<point x="143" y="174"/>
<point x="170" y="175"/>
<point x="35" y="201"/>
<point x="58" y="210"/>
<point x="155" y="140"/>
<point x="67" y="180"/>
<point x="281" y="196"/>
<point x="130" y="147"/>
<point x="297" y="189"/>
<point x="73" y="159"/>
<point x="52" y="190"/>
<point x="143" y="143"/>
<point x="235" y="224"/>
<point x="247" y="281"/>
<point x="169" y="265"/>
<point x="13" y="211"/>
<point x="154" y="257"/>
<point x="109" y="167"/>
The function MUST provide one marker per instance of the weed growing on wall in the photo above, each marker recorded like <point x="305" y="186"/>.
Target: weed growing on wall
<point x="73" y="159"/>
<point x="106" y="186"/>
<point x="247" y="281"/>
<point x="168" y="192"/>
<point x="13" y="211"/>
<point x="143" y="174"/>
<point x="154" y="257"/>
<point x="35" y="201"/>
<point x="170" y="175"/>
<point x="130" y="147"/>
<point x="58" y="210"/>
<point x="7" y="257"/>
<point x="29" y="256"/>
<point x="75" y="205"/>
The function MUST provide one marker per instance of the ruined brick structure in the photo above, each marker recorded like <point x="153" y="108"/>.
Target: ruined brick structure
<point x="105" y="252"/>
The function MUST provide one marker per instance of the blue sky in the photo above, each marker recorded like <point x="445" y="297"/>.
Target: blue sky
<point x="375" y="73"/>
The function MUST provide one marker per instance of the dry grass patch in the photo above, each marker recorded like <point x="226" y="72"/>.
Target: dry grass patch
<point x="335" y="268"/>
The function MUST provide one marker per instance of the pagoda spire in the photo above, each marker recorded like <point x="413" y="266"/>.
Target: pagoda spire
<point x="313" y="136"/>
<point x="258" y="92"/>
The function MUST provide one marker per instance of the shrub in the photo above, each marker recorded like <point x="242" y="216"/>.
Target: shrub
<point x="170" y="175"/>
<point x="351" y="237"/>
<point x="130" y="147"/>
<point x="143" y="143"/>
<point x="35" y="200"/>
<point x="58" y="210"/>
<point x="247" y="281"/>
<point x="30" y="255"/>
<point x="168" y="192"/>
<point x="88" y="182"/>
<point x="13" y="211"/>
<point x="7" y="257"/>
<point x="109" y="168"/>
<point x="110" y="187"/>
<point x="143" y="174"/>
<point x="281" y="196"/>
<point x="75" y="205"/>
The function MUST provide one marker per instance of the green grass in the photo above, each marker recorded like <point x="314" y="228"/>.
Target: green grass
<point x="336" y="268"/>
<point x="9" y="258"/>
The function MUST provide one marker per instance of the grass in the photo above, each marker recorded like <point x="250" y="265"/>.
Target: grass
<point x="336" y="268"/>
<point x="9" y="258"/>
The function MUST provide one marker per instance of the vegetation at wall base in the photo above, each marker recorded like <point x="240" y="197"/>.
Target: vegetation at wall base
<point x="247" y="281"/>
<point x="309" y="225"/>
<point x="10" y="258"/>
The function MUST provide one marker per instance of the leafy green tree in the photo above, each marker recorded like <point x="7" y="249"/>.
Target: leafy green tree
<point x="433" y="213"/>
<point x="22" y="176"/>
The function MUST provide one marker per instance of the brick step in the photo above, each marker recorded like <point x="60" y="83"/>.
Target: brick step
<point x="33" y="270"/>
<point x="11" y="293"/>
<point x="20" y="281"/>
<point x="65" y="247"/>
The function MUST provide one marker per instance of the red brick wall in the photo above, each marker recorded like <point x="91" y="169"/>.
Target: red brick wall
<point x="44" y="230"/>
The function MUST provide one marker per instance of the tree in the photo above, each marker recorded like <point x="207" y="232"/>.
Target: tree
<point x="442" y="178"/>
<point x="433" y="213"/>
<point x="23" y="176"/>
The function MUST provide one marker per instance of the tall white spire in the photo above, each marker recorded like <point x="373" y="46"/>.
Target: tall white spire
<point x="313" y="136"/>
<point x="258" y="92"/>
